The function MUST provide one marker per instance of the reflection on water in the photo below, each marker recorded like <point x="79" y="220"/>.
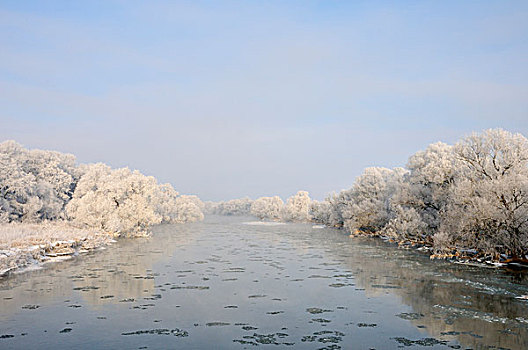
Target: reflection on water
<point x="226" y="284"/>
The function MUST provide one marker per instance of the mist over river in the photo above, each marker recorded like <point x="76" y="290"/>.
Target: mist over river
<point x="231" y="282"/>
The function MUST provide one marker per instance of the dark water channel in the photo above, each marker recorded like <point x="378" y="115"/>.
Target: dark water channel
<point x="229" y="283"/>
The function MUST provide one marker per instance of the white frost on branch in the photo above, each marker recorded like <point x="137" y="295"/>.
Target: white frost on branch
<point x="117" y="200"/>
<point x="297" y="208"/>
<point x="267" y="208"/>
<point x="127" y="201"/>
<point x="38" y="186"/>
<point x="240" y="206"/>
<point x="368" y="210"/>
<point x="488" y="206"/>
<point x="34" y="184"/>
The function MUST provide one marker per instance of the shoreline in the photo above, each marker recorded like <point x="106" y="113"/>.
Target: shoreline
<point x="40" y="244"/>
<point x="461" y="256"/>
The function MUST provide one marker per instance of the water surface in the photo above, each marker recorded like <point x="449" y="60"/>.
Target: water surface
<point x="232" y="283"/>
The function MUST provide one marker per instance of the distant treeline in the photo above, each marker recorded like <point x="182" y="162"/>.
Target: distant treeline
<point x="297" y="208"/>
<point x="37" y="185"/>
<point x="469" y="196"/>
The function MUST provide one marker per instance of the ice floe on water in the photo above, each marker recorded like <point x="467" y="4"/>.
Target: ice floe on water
<point x="235" y="286"/>
<point x="263" y="223"/>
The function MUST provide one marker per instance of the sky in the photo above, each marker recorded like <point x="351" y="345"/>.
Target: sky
<point x="227" y="99"/>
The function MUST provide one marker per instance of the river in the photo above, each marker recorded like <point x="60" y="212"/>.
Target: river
<point x="233" y="283"/>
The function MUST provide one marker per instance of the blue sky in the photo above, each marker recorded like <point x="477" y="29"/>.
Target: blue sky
<point x="250" y="98"/>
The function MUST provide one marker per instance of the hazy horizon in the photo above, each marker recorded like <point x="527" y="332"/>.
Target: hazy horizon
<point x="232" y="99"/>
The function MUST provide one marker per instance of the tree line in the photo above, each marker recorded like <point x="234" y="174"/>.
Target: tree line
<point x="471" y="197"/>
<point x="38" y="185"/>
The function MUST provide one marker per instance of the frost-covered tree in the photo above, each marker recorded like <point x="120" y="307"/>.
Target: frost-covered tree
<point x="34" y="184"/>
<point x="194" y="199"/>
<point x="320" y="212"/>
<point x="240" y="206"/>
<point x="267" y="208"/>
<point x="165" y="202"/>
<point x="405" y="224"/>
<point x="174" y="208"/>
<point x="369" y="209"/>
<point x="125" y="201"/>
<point x="119" y="201"/>
<point x="337" y="206"/>
<point x="488" y="206"/>
<point x="432" y="172"/>
<point x="419" y="202"/>
<point x="187" y="209"/>
<point x="297" y="207"/>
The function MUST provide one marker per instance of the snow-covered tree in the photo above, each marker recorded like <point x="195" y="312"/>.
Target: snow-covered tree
<point x="369" y="208"/>
<point x="187" y="209"/>
<point x="337" y="206"/>
<point x="267" y="208"/>
<point x="119" y="201"/>
<point x="488" y="206"/>
<point x="240" y="206"/>
<point x="420" y="200"/>
<point x="34" y="184"/>
<point x="432" y="173"/>
<point x="320" y="212"/>
<point x="174" y="208"/>
<point x="125" y="201"/>
<point x="297" y="207"/>
<point x="405" y="224"/>
<point x="164" y="202"/>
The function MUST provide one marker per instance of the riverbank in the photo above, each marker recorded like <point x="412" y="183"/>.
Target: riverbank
<point x="466" y="256"/>
<point x="30" y="245"/>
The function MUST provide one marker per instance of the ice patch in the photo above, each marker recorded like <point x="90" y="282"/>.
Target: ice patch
<point x="263" y="223"/>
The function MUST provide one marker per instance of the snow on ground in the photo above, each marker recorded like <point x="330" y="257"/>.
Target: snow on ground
<point x="26" y="245"/>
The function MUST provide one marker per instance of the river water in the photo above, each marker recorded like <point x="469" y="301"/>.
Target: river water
<point x="233" y="283"/>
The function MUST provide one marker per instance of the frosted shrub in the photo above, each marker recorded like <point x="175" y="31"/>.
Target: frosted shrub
<point x="369" y="208"/>
<point x="241" y="206"/>
<point x="337" y="206"/>
<point x="405" y="225"/>
<point x="267" y="208"/>
<point x="164" y="202"/>
<point x="195" y="200"/>
<point x="175" y="208"/>
<point x="488" y="206"/>
<point x="428" y="185"/>
<point x="114" y="200"/>
<point x="442" y="241"/>
<point x="34" y="184"/>
<point x="297" y="207"/>
<point x="320" y="211"/>
<point x="187" y="209"/>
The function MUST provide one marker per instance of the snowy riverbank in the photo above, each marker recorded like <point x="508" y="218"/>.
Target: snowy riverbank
<point x="30" y="245"/>
<point x="457" y="255"/>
